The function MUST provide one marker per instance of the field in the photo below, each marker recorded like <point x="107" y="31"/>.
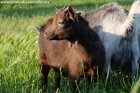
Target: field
<point x="19" y="70"/>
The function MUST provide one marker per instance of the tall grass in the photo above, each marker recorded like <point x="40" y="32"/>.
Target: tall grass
<point x="19" y="70"/>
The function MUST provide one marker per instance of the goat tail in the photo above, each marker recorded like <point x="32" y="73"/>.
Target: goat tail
<point x="129" y="23"/>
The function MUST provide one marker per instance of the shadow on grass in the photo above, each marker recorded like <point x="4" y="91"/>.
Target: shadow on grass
<point x="43" y="10"/>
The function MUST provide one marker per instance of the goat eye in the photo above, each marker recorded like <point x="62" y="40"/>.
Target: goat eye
<point x="60" y="22"/>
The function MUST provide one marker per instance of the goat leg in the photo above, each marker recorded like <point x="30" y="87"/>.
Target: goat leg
<point x="73" y="84"/>
<point x="44" y="75"/>
<point x="57" y="79"/>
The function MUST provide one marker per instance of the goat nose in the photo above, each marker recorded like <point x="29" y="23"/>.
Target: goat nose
<point x="45" y="34"/>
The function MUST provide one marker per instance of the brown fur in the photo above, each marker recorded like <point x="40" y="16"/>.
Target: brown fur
<point x="73" y="52"/>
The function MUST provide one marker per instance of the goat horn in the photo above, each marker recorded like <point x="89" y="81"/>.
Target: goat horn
<point x="64" y="7"/>
<point x="56" y="8"/>
<point x="36" y="28"/>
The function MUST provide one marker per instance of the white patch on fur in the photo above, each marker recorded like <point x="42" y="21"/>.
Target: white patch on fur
<point x="135" y="8"/>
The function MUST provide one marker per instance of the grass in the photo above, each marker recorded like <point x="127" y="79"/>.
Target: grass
<point x="19" y="70"/>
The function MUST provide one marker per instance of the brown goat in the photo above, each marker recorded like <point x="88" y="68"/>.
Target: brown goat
<point x="71" y="45"/>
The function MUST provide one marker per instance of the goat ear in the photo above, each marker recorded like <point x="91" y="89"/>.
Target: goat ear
<point x="71" y="13"/>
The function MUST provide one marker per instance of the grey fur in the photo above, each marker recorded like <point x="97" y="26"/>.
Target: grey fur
<point x="135" y="37"/>
<point x="135" y="45"/>
<point x="111" y="22"/>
